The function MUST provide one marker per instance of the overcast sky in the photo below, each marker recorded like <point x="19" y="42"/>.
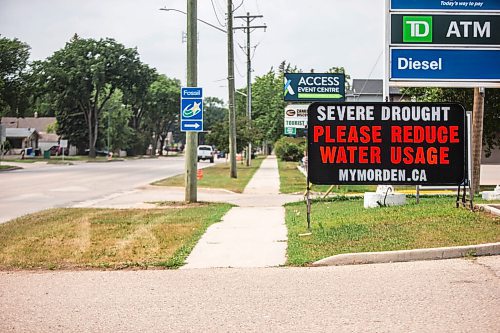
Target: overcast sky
<point x="310" y="34"/>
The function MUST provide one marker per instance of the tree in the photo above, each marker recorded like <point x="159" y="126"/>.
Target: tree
<point x="162" y="105"/>
<point x="341" y="70"/>
<point x="115" y="123"/>
<point x="82" y="77"/>
<point x="14" y="92"/>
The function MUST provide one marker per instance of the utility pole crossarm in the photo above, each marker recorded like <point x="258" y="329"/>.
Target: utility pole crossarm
<point x="252" y="27"/>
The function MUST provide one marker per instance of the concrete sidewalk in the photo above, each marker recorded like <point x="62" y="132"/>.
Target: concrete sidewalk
<point x="253" y="235"/>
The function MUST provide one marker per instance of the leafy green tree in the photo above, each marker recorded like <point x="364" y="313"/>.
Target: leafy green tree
<point x="214" y="113"/>
<point x="162" y="105"/>
<point x="341" y="70"/>
<point x="83" y="76"/>
<point x="115" y="123"/>
<point x="14" y="91"/>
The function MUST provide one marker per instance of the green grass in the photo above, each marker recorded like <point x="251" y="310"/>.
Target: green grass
<point x="217" y="176"/>
<point x="293" y="181"/>
<point x="5" y="166"/>
<point x="106" y="238"/>
<point x="18" y="160"/>
<point x="344" y="226"/>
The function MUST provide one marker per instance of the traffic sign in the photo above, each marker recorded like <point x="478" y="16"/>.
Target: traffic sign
<point x="191" y="109"/>
<point x="445" y="64"/>
<point x="191" y="125"/>
<point x="314" y="87"/>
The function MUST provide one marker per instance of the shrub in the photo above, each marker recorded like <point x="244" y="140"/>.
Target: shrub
<point x="289" y="149"/>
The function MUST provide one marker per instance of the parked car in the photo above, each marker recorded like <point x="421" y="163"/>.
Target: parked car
<point x="58" y="150"/>
<point x="205" y="153"/>
<point x="98" y="152"/>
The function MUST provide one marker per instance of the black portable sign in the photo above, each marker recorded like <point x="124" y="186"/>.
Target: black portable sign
<point x="386" y="143"/>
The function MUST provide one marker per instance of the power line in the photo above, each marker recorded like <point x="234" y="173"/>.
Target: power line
<point x="371" y="72"/>
<point x="217" y="16"/>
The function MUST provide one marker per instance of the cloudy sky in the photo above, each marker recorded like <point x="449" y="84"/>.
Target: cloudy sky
<point x="310" y="34"/>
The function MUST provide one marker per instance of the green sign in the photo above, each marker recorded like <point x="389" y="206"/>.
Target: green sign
<point x="417" y="29"/>
<point x="446" y="29"/>
<point x="290" y="131"/>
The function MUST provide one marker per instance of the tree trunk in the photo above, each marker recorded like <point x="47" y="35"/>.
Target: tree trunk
<point x="91" y="146"/>
<point x="477" y="138"/>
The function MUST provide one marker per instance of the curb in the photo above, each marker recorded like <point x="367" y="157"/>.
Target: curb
<point x="489" y="208"/>
<point x="410" y="255"/>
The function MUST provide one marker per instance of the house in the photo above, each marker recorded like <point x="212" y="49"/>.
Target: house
<point x="371" y="90"/>
<point x="41" y="125"/>
<point x="21" y="138"/>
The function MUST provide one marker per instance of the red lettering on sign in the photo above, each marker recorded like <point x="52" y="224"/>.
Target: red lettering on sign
<point x="318" y="131"/>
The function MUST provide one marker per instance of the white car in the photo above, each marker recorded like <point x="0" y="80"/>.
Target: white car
<point x="205" y="153"/>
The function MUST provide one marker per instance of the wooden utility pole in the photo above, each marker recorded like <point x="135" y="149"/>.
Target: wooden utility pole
<point x="248" y="29"/>
<point x="192" y="81"/>
<point x="230" y="79"/>
<point x="477" y="137"/>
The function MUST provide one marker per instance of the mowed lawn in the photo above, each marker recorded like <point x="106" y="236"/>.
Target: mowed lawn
<point x="218" y="176"/>
<point x="344" y="226"/>
<point x="106" y="238"/>
<point x="293" y="181"/>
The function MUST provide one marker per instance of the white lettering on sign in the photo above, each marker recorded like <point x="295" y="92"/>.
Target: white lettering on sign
<point x="319" y="81"/>
<point x="409" y="63"/>
<point x="477" y="29"/>
<point x="345" y="112"/>
<point x="415" y="30"/>
<point x="415" y="113"/>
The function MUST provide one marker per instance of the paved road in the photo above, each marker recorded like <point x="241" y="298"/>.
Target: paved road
<point x="457" y="295"/>
<point x="43" y="186"/>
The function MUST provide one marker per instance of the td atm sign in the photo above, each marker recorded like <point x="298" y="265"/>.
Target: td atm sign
<point x="445" y="29"/>
<point x="436" y="43"/>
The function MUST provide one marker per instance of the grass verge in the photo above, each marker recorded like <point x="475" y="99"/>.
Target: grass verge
<point x="293" y="181"/>
<point x="106" y="238"/>
<point x="342" y="225"/>
<point x="218" y="177"/>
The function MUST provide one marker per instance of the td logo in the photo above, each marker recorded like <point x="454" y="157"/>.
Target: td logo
<point x="417" y="29"/>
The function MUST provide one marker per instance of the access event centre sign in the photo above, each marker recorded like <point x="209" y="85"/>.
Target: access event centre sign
<point x="443" y="43"/>
<point x="314" y="87"/>
<point x="386" y="143"/>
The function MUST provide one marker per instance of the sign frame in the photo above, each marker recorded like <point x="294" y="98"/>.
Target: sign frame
<point x="194" y="122"/>
<point x="317" y="157"/>
<point x="450" y="83"/>
<point x="291" y="89"/>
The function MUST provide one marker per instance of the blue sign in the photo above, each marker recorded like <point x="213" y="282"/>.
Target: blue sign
<point x="192" y="125"/>
<point x="191" y="92"/>
<point x="445" y="64"/>
<point x="191" y="109"/>
<point x="445" y="5"/>
<point x="314" y="87"/>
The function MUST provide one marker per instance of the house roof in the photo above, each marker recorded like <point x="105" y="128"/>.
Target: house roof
<point x="371" y="87"/>
<point x="48" y="137"/>
<point x="39" y="123"/>
<point x="19" y="132"/>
